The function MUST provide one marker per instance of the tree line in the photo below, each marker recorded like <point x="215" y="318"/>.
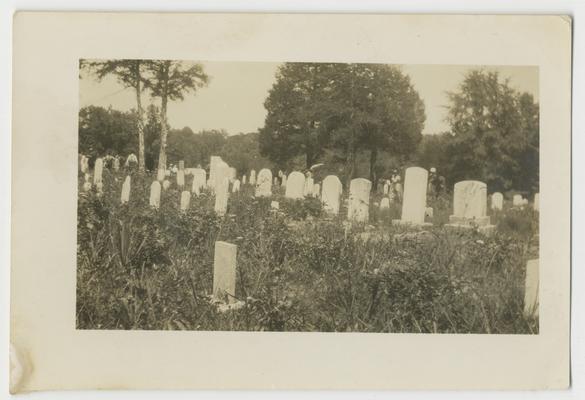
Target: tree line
<point x="356" y="119"/>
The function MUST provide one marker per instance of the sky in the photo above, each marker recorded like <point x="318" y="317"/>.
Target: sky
<point x="234" y="98"/>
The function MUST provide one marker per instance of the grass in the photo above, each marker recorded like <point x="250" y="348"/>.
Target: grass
<point x="297" y="269"/>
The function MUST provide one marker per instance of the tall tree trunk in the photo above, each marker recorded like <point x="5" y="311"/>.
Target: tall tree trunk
<point x="373" y="159"/>
<point x="162" y="156"/>
<point x="140" y="123"/>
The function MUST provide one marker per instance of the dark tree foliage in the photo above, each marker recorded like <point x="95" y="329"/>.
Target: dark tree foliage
<point x="495" y="134"/>
<point x="106" y="131"/>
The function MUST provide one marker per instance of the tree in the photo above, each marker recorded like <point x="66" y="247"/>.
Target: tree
<point x="129" y="74"/>
<point x="495" y="133"/>
<point x="106" y="131"/>
<point x="296" y="112"/>
<point x="170" y="81"/>
<point x="242" y="152"/>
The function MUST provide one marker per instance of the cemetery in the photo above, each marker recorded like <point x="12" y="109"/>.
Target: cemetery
<point x="340" y="197"/>
<point x="202" y="250"/>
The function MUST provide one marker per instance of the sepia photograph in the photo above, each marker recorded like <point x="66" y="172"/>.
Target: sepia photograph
<point x="307" y="197"/>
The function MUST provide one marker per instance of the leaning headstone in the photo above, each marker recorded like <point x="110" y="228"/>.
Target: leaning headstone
<point x="125" y="197"/>
<point x="264" y="184"/>
<point x="98" y="169"/>
<point x="359" y="200"/>
<point x="497" y="201"/>
<point x="469" y="206"/>
<point x="236" y="186"/>
<point x="536" y="204"/>
<point x="224" y="271"/>
<point x="166" y="184"/>
<point x="199" y="180"/>
<point x="252" y="177"/>
<point x="295" y="184"/>
<point x="384" y="203"/>
<point x="181" y="178"/>
<point x="331" y="194"/>
<point x="160" y="174"/>
<point x="185" y="200"/>
<point x="309" y="186"/>
<point x="221" y="195"/>
<point x="317" y="190"/>
<point x="531" y="295"/>
<point x="517" y="200"/>
<point x="414" y="200"/>
<point x="155" y="194"/>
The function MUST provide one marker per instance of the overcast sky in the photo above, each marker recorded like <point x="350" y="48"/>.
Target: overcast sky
<point x="234" y="98"/>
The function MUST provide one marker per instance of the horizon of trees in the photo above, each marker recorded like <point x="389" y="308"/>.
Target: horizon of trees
<point x="356" y="120"/>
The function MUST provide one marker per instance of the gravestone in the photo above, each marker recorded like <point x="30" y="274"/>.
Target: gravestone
<point x="536" y="204"/>
<point x="155" y="194"/>
<point x="275" y="182"/>
<point x="181" y="165"/>
<point x="99" y="187"/>
<point x="83" y="167"/>
<point x="236" y="186"/>
<point x="181" y="178"/>
<point x="331" y="194"/>
<point x="414" y="199"/>
<point x="232" y="174"/>
<point x="309" y="186"/>
<point x="214" y="163"/>
<point x="386" y="188"/>
<point x="531" y="292"/>
<point x="385" y="203"/>
<point x="517" y="200"/>
<point x="244" y="179"/>
<point x="252" y="177"/>
<point x="185" y="200"/>
<point x="166" y="184"/>
<point x="317" y="190"/>
<point x="199" y="180"/>
<point x="359" y="200"/>
<point x="221" y="195"/>
<point x="116" y="164"/>
<point x="283" y="183"/>
<point x="125" y="197"/>
<point x="224" y="272"/>
<point x="469" y="206"/>
<point x="160" y="174"/>
<point x="87" y="183"/>
<point x="295" y="184"/>
<point x="275" y="205"/>
<point x="98" y="169"/>
<point x="497" y="201"/>
<point x="264" y="184"/>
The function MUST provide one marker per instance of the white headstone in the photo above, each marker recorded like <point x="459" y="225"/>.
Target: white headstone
<point x="221" y="195"/>
<point x="236" y="186"/>
<point x="536" y="202"/>
<point x="244" y="179"/>
<point x="116" y="164"/>
<point x="331" y="194"/>
<point x="470" y="205"/>
<point x="264" y="184"/>
<point x="214" y="164"/>
<point x="531" y="295"/>
<point x="181" y="165"/>
<point x="252" y="177"/>
<point x="386" y="188"/>
<point x="384" y="203"/>
<point x="166" y="184"/>
<point x="359" y="200"/>
<point x="160" y="174"/>
<point x="232" y="174"/>
<point x="295" y="185"/>
<point x="97" y="171"/>
<point x="125" y="197"/>
<point x="199" y="180"/>
<point x="185" y="200"/>
<point x="155" y="194"/>
<point x="517" y="200"/>
<point x="181" y="178"/>
<point x="414" y="200"/>
<point x="275" y="182"/>
<point x="283" y="183"/>
<point x="224" y="271"/>
<point x="497" y="201"/>
<point x="309" y="186"/>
